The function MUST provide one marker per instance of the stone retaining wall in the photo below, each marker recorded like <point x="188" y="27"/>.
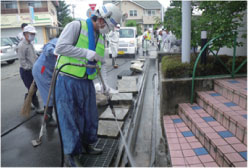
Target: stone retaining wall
<point x="175" y="91"/>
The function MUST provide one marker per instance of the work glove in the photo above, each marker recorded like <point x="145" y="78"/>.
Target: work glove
<point x="109" y="91"/>
<point x="93" y="56"/>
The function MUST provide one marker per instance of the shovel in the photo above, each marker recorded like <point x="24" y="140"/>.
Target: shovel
<point x="37" y="142"/>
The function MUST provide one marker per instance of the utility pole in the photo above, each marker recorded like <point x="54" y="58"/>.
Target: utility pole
<point x="73" y="15"/>
<point x="186" y="31"/>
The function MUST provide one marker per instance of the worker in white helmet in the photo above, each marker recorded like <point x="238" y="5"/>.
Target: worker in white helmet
<point x="114" y="44"/>
<point x="80" y="42"/>
<point x="27" y="57"/>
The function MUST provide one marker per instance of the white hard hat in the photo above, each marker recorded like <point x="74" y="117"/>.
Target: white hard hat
<point x="111" y="14"/>
<point x="30" y="29"/>
<point x="118" y="25"/>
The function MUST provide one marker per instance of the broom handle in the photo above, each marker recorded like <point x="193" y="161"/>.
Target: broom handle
<point x="48" y="99"/>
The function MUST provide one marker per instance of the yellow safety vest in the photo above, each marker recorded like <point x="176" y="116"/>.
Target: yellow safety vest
<point x="83" y="42"/>
<point x="148" y="36"/>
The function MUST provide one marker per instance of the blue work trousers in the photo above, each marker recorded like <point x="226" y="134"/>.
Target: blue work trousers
<point x="27" y="78"/>
<point x="77" y="112"/>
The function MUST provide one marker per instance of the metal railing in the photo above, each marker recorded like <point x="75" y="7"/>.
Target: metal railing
<point x="232" y="72"/>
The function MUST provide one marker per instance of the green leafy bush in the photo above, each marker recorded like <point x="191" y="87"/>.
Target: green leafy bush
<point x="173" y="68"/>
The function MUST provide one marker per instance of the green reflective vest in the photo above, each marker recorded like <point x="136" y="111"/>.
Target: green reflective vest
<point x="82" y="42"/>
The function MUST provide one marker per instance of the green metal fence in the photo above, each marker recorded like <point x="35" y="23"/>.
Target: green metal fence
<point x="232" y="73"/>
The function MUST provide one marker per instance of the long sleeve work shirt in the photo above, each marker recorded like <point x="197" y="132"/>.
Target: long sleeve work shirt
<point x="26" y="54"/>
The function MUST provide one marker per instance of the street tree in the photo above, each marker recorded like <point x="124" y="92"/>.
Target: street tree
<point x="63" y="13"/>
<point x="133" y="23"/>
<point x="217" y="17"/>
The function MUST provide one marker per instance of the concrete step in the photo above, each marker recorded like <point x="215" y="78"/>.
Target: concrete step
<point x="222" y="145"/>
<point x="234" y="90"/>
<point x="227" y="113"/>
<point x="185" y="149"/>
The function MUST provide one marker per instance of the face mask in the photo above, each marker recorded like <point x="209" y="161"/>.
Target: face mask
<point x="31" y="37"/>
<point x="104" y="30"/>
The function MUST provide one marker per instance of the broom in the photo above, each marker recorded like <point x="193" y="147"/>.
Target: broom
<point x="27" y="103"/>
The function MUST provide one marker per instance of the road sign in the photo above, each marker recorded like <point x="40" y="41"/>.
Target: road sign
<point x="92" y="6"/>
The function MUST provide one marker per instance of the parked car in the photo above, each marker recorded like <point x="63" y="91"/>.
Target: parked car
<point x="38" y="48"/>
<point x="127" y="42"/>
<point x="15" y="40"/>
<point x="8" y="50"/>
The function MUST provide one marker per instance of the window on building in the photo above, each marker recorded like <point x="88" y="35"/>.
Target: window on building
<point x="133" y="13"/>
<point x="35" y="4"/>
<point x="10" y="4"/>
<point x="150" y="12"/>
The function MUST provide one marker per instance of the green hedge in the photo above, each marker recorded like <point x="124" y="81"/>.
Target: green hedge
<point x="173" y="68"/>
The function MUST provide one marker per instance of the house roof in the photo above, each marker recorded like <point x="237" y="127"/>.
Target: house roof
<point x="146" y="4"/>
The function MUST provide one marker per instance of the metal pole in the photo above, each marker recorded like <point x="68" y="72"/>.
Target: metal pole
<point x="203" y="43"/>
<point x="186" y="31"/>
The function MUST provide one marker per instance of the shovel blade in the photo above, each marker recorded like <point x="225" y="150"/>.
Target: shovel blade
<point x="36" y="142"/>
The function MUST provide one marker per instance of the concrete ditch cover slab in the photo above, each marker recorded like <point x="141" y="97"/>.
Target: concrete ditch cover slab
<point x="108" y="128"/>
<point x="120" y="112"/>
<point x="137" y="67"/>
<point x="122" y="98"/>
<point x="127" y="86"/>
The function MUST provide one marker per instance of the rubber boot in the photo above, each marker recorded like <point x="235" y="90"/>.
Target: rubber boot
<point x="113" y="61"/>
<point x="91" y="150"/>
<point x="50" y="122"/>
<point x="35" y="102"/>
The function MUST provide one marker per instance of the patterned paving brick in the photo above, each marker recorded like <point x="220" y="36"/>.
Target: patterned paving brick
<point x="206" y="158"/>
<point x="188" y="152"/>
<point x="232" y="140"/>
<point x="183" y="145"/>
<point x="177" y="120"/>
<point x="176" y="154"/>
<point x="230" y="104"/>
<point x="193" y="160"/>
<point x="245" y="116"/>
<point x="214" y="94"/>
<point x="226" y="149"/>
<point x="220" y="137"/>
<point x="235" y="157"/>
<point x="225" y="134"/>
<point x="187" y="134"/>
<point x="208" y="119"/>
<point x="239" y="147"/>
<point x="244" y="155"/>
<point x="178" y="161"/>
<point x="196" y="107"/>
<point x="233" y="81"/>
<point x="200" y="151"/>
<point x="210" y="164"/>
<point x="195" y="145"/>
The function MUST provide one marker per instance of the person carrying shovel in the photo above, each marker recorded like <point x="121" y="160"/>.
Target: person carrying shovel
<point x="42" y="73"/>
<point x="81" y="42"/>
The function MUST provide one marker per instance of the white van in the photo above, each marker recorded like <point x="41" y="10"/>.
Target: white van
<point x="127" y="41"/>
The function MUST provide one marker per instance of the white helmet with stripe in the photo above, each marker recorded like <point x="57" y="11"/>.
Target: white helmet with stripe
<point x="111" y="14"/>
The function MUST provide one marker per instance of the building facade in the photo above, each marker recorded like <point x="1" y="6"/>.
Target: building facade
<point x="144" y="12"/>
<point x="43" y="18"/>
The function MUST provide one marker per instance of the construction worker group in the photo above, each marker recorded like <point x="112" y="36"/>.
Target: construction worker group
<point x="80" y="42"/>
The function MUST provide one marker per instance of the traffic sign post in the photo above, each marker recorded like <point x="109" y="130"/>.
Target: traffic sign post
<point x="92" y="6"/>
